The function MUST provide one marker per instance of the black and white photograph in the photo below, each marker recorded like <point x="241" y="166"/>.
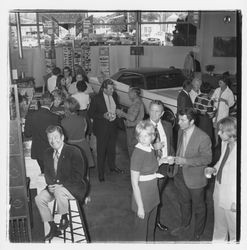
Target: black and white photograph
<point x="123" y="123"/>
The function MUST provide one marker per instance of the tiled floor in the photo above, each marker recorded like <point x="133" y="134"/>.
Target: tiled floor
<point x="108" y="214"/>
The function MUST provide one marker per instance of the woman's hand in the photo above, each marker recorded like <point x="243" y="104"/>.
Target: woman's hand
<point x="140" y="213"/>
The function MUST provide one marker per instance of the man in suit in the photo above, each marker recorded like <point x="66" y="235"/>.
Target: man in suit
<point x="192" y="156"/>
<point x="184" y="100"/>
<point x="65" y="179"/>
<point x="163" y="148"/>
<point x="103" y="112"/>
<point x="36" y="123"/>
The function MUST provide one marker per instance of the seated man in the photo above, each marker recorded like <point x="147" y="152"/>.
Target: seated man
<point x="64" y="174"/>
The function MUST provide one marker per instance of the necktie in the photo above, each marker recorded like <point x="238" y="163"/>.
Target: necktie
<point x="158" y="152"/>
<point x="109" y="100"/>
<point x="222" y="164"/>
<point x="184" y="143"/>
<point x="56" y="157"/>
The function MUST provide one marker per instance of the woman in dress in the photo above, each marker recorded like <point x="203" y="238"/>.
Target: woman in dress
<point x="74" y="127"/>
<point x="145" y="198"/>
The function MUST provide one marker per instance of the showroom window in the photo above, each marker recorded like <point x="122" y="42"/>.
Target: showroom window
<point x="110" y="28"/>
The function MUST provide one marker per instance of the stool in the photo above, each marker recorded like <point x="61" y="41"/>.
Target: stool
<point x="77" y="223"/>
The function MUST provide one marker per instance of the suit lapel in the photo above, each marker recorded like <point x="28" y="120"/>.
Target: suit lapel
<point x="61" y="158"/>
<point x="103" y="104"/>
<point x="180" y="138"/>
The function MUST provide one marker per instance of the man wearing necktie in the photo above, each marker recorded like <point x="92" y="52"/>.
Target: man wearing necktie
<point x="163" y="146"/>
<point x="193" y="155"/>
<point x="65" y="177"/>
<point x="225" y="184"/>
<point x="103" y="112"/>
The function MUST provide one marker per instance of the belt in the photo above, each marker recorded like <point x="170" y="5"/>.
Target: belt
<point x="150" y="177"/>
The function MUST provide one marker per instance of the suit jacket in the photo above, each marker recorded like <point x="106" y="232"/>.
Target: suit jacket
<point x="198" y="155"/>
<point x="71" y="170"/>
<point x="183" y="101"/>
<point x="97" y="110"/>
<point x="35" y="126"/>
<point x="169" y="136"/>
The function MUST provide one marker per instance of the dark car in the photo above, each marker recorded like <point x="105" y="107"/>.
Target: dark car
<point x="150" y="78"/>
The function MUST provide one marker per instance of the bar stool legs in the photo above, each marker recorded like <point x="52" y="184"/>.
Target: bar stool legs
<point x="78" y="229"/>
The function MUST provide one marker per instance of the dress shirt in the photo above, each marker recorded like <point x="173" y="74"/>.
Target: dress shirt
<point x="186" y="137"/>
<point x="83" y="99"/>
<point x="52" y="83"/>
<point x="162" y="136"/>
<point x="56" y="155"/>
<point x="110" y="103"/>
<point x="72" y="88"/>
<point x="193" y="94"/>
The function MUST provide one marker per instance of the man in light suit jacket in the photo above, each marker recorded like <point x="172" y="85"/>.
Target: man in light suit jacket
<point x="65" y="179"/>
<point x="36" y="123"/>
<point x="192" y="156"/>
<point x="103" y="112"/>
<point x="165" y="145"/>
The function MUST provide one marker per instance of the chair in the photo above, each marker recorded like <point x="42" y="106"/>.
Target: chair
<point x="77" y="229"/>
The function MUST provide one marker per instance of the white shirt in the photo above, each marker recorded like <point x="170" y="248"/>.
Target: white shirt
<point x="186" y="139"/>
<point x="83" y="99"/>
<point x="51" y="83"/>
<point x="223" y="109"/>
<point x="110" y="103"/>
<point x="59" y="151"/>
<point x="163" y="138"/>
<point x="193" y="94"/>
<point x="72" y="88"/>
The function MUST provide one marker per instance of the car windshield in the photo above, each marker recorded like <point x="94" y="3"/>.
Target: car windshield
<point x="132" y="79"/>
<point x="164" y="81"/>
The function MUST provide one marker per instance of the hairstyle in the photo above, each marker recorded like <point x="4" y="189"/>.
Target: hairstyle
<point x="58" y="93"/>
<point x="225" y="78"/>
<point x="107" y="82"/>
<point x="84" y="76"/>
<point x="156" y="102"/>
<point x="196" y="80"/>
<point x="206" y="87"/>
<point x="56" y="71"/>
<point x="189" y="112"/>
<point x="58" y="82"/>
<point x="186" y="84"/>
<point x="52" y="128"/>
<point x="46" y="99"/>
<point x="136" y="90"/>
<point x="228" y="125"/>
<point x="141" y="126"/>
<point x="81" y="86"/>
<point x="67" y="68"/>
<point x="71" y="104"/>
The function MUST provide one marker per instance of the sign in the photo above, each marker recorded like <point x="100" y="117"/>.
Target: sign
<point x="104" y="62"/>
<point x="137" y="51"/>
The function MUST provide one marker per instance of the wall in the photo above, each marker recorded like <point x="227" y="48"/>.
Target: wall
<point x="212" y="25"/>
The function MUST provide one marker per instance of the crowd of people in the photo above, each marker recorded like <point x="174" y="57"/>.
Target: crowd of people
<point x="70" y="113"/>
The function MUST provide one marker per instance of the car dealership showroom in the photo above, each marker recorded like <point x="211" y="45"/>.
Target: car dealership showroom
<point x="123" y="126"/>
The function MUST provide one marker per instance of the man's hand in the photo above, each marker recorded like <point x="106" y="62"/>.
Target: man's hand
<point x="158" y="145"/>
<point x="53" y="187"/>
<point x="106" y="116"/>
<point x="180" y="160"/>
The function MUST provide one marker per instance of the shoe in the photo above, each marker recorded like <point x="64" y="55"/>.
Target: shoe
<point x="54" y="232"/>
<point x="64" y="223"/>
<point x="179" y="230"/>
<point x="117" y="170"/>
<point x="161" y="227"/>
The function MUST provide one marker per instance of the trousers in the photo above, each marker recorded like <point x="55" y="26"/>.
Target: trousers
<point x="62" y="195"/>
<point x="191" y="200"/>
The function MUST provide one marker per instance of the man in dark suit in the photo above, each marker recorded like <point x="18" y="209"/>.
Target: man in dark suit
<point x="184" y="100"/>
<point x="65" y="179"/>
<point x="36" y="123"/>
<point x="103" y="112"/>
<point x="192" y="156"/>
<point x="163" y="148"/>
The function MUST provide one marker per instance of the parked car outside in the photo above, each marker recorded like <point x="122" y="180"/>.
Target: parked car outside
<point x="127" y="41"/>
<point x="162" y="84"/>
<point x="113" y="41"/>
<point x="152" y="41"/>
